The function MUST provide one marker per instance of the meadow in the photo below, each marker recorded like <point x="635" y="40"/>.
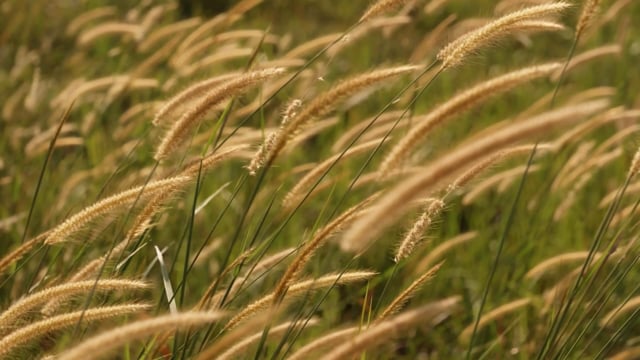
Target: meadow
<point x="320" y="179"/>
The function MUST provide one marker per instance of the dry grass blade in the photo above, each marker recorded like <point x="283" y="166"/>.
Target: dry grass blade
<point x="37" y="329"/>
<point x="104" y="343"/>
<point x="113" y="204"/>
<point x="398" y="325"/>
<point x="395" y="204"/>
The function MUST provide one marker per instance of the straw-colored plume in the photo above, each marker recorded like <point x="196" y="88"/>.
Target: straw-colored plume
<point x="619" y="312"/>
<point x="398" y="200"/>
<point x="457" y="104"/>
<point x="21" y="251"/>
<point x="260" y="157"/>
<point x="297" y="289"/>
<point x="438" y="253"/>
<point x="386" y="330"/>
<point x="177" y="132"/>
<point x="104" y="343"/>
<point x="304" y="255"/>
<point x="401" y="300"/>
<point x="414" y="236"/>
<point x="241" y="346"/>
<point x="110" y="28"/>
<point x="483" y="165"/>
<point x="324" y="342"/>
<point x="113" y="204"/>
<point x="381" y="7"/>
<point x="298" y="191"/>
<point x="588" y="11"/>
<point x="192" y="93"/>
<point x="456" y="51"/>
<point x="549" y="264"/>
<point x="325" y="102"/>
<point x="491" y="316"/>
<point x="22" y="306"/>
<point x="94" y="14"/>
<point x="31" y="332"/>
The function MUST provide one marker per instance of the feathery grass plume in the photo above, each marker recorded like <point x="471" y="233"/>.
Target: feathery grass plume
<point x="90" y="269"/>
<point x="587" y="167"/>
<point x="503" y="178"/>
<point x="456" y="51"/>
<point x="398" y="325"/>
<point x="261" y="268"/>
<point x="483" y="165"/>
<point x="76" y="91"/>
<point x="620" y="311"/>
<point x="31" y="332"/>
<point x="493" y="315"/>
<point x="432" y="210"/>
<point x="555" y="261"/>
<point x="616" y="139"/>
<point x="293" y="271"/>
<point x="190" y="94"/>
<point x="243" y="345"/>
<point x="215" y="58"/>
<point x="153" y="60"/>
<point x="626" y="354"/>
<point x="439" y="251"/>
<point x="298" y="191"/>
<point x="240" y="259"/>
<point x="380" y="7"/>
<point x="258" y="160"/>
<point x="324" y="342"/>
<point x="209" y="161"/>
<point x="635" y="164"/>
<point x="398" y="200"/>
<point x="587" y="56"/>
<point x="140" y="225"/>
<point x="22" y="306"/>
<point x="401" y="300"/>
<point x="20" y="251"/>
<point x="610" y="197"/>
<point x="461" y="102"/>
<point x="324" y="103"/>
<point x="191" y="118"/>
<point x="88" y="16"/>
<point x="348" y="135"/>
<point x="297" y="289"/>
<point x="312" y="45"/>
<point x="104" y="343"/>
<point x="166" y="31"/>
<point x="588" y="11"/>
<point x="110" y="28"/>
<point x="113" y="204"/>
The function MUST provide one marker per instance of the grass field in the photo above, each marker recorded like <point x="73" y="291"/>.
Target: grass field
<point x="419" y="179"/>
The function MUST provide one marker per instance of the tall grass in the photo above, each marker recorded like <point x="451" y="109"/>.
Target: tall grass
<point x="306" y="180"/>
